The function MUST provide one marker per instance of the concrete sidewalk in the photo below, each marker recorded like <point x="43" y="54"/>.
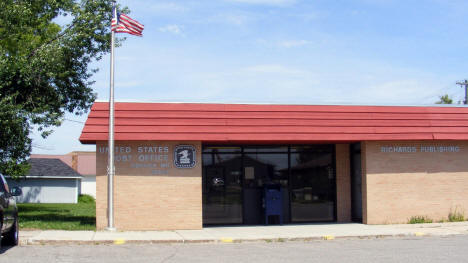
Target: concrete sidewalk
<point x="244" y="233"/>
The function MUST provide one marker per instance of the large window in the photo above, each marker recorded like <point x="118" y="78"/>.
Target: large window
<point x="234" y="178"/>
<point x="312" y="184"/>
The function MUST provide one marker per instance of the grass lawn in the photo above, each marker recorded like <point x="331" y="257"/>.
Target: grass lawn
<point x="80" y="216"/>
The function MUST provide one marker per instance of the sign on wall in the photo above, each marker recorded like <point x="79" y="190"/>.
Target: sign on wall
<point x="184" y="156"/>
<point x="149" y="158"/>
<point x="421" y="148"/>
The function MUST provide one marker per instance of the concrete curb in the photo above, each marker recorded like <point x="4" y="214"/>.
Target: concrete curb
<point x="238" y="234"/>
<point x="32" y="242"/>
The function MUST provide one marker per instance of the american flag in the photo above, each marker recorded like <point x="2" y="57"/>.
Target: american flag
<point x="124" y="24"/>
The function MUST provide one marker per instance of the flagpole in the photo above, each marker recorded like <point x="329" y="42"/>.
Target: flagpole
<point x="111" y="167"/>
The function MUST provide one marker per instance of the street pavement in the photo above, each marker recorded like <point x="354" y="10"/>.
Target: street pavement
<point x="393" y="249"/>
<point x="301" y="232"/>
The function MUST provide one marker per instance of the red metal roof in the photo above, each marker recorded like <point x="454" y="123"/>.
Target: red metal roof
<point x="247" y="123"/>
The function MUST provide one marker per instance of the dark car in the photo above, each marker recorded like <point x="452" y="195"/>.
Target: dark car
<point x="8" y="213"/>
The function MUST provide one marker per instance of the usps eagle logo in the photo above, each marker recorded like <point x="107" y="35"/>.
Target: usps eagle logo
<point x="184" y="156"/>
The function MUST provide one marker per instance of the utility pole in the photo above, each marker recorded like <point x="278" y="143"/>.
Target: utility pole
<point x="465" y="83"/>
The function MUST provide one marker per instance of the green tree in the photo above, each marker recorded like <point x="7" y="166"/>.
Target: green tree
<point x="15" y="144"/>
<point x="44" y="68"/>
<point x="445" y="99"/>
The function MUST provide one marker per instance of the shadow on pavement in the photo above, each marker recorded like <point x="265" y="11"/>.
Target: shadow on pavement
<point x="4" y="249"/>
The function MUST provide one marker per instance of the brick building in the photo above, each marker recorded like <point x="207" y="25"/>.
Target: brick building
<point x="182" y="165"/>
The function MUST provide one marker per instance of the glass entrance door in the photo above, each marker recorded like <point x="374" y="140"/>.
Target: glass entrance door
<point x="313" y="188"/>
<point x="264" y="166"/>
<point x="234" y="179"/>
<point x="222" y="191"/>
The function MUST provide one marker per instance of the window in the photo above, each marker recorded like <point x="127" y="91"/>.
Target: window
<point x="234" y="178"/>
<point x="3" y="186"/>
<point x="222" y="191"/>
<point x="312" y="183"/>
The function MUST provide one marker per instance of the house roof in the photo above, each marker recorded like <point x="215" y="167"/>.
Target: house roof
<point x="64" y="158"/>
<point x="82" y="162"/>
<point x="50" y="168"/>
<point x="247" y="123"/>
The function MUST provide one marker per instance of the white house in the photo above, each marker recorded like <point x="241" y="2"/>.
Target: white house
<point x="50" y="180"/>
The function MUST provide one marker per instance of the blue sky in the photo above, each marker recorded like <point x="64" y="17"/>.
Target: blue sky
<point x="375" y="52"/>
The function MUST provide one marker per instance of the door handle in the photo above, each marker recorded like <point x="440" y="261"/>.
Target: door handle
<point x="218" y="181"/>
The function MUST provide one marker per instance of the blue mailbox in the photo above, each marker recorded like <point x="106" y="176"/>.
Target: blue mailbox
<point x="273" y="198"/>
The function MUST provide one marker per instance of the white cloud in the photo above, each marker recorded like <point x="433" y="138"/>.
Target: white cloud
<point x="231" y="18"/>
<point x="266" y="2"/>
<point x="167" y="8"/>
<point x="274" y="69"/>
<point x="311" y="15"/>
<point x="173" y="29"/>
<point x="290" y="43"/>
<point x="235" y="19"/>
<point x="293" y="43"/>
<point x="397" y="91"/>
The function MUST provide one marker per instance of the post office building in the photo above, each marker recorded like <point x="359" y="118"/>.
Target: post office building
<point x="189" y="165"/>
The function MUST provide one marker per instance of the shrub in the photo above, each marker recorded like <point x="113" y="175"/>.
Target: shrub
<point x="419" y="220"/>
<point x="86" y="199"/>
<point x="456" y="216"/>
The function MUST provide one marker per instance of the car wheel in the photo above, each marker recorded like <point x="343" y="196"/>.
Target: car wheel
<point x="11" y="238"/>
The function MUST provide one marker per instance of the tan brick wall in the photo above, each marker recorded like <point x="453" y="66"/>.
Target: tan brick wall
<point x="144" y="200"/>
<point x="343" y="183"/>
<point x="400" y="185"/>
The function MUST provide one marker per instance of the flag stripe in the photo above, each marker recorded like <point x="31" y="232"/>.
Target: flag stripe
<point x="132" y="21"/>
<point x="124" y="24"/>
<point x="124" y="17"/>
<point x="122" y="29"/>
<point x="130" y="27"/>
<point x="125" y="30"/>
